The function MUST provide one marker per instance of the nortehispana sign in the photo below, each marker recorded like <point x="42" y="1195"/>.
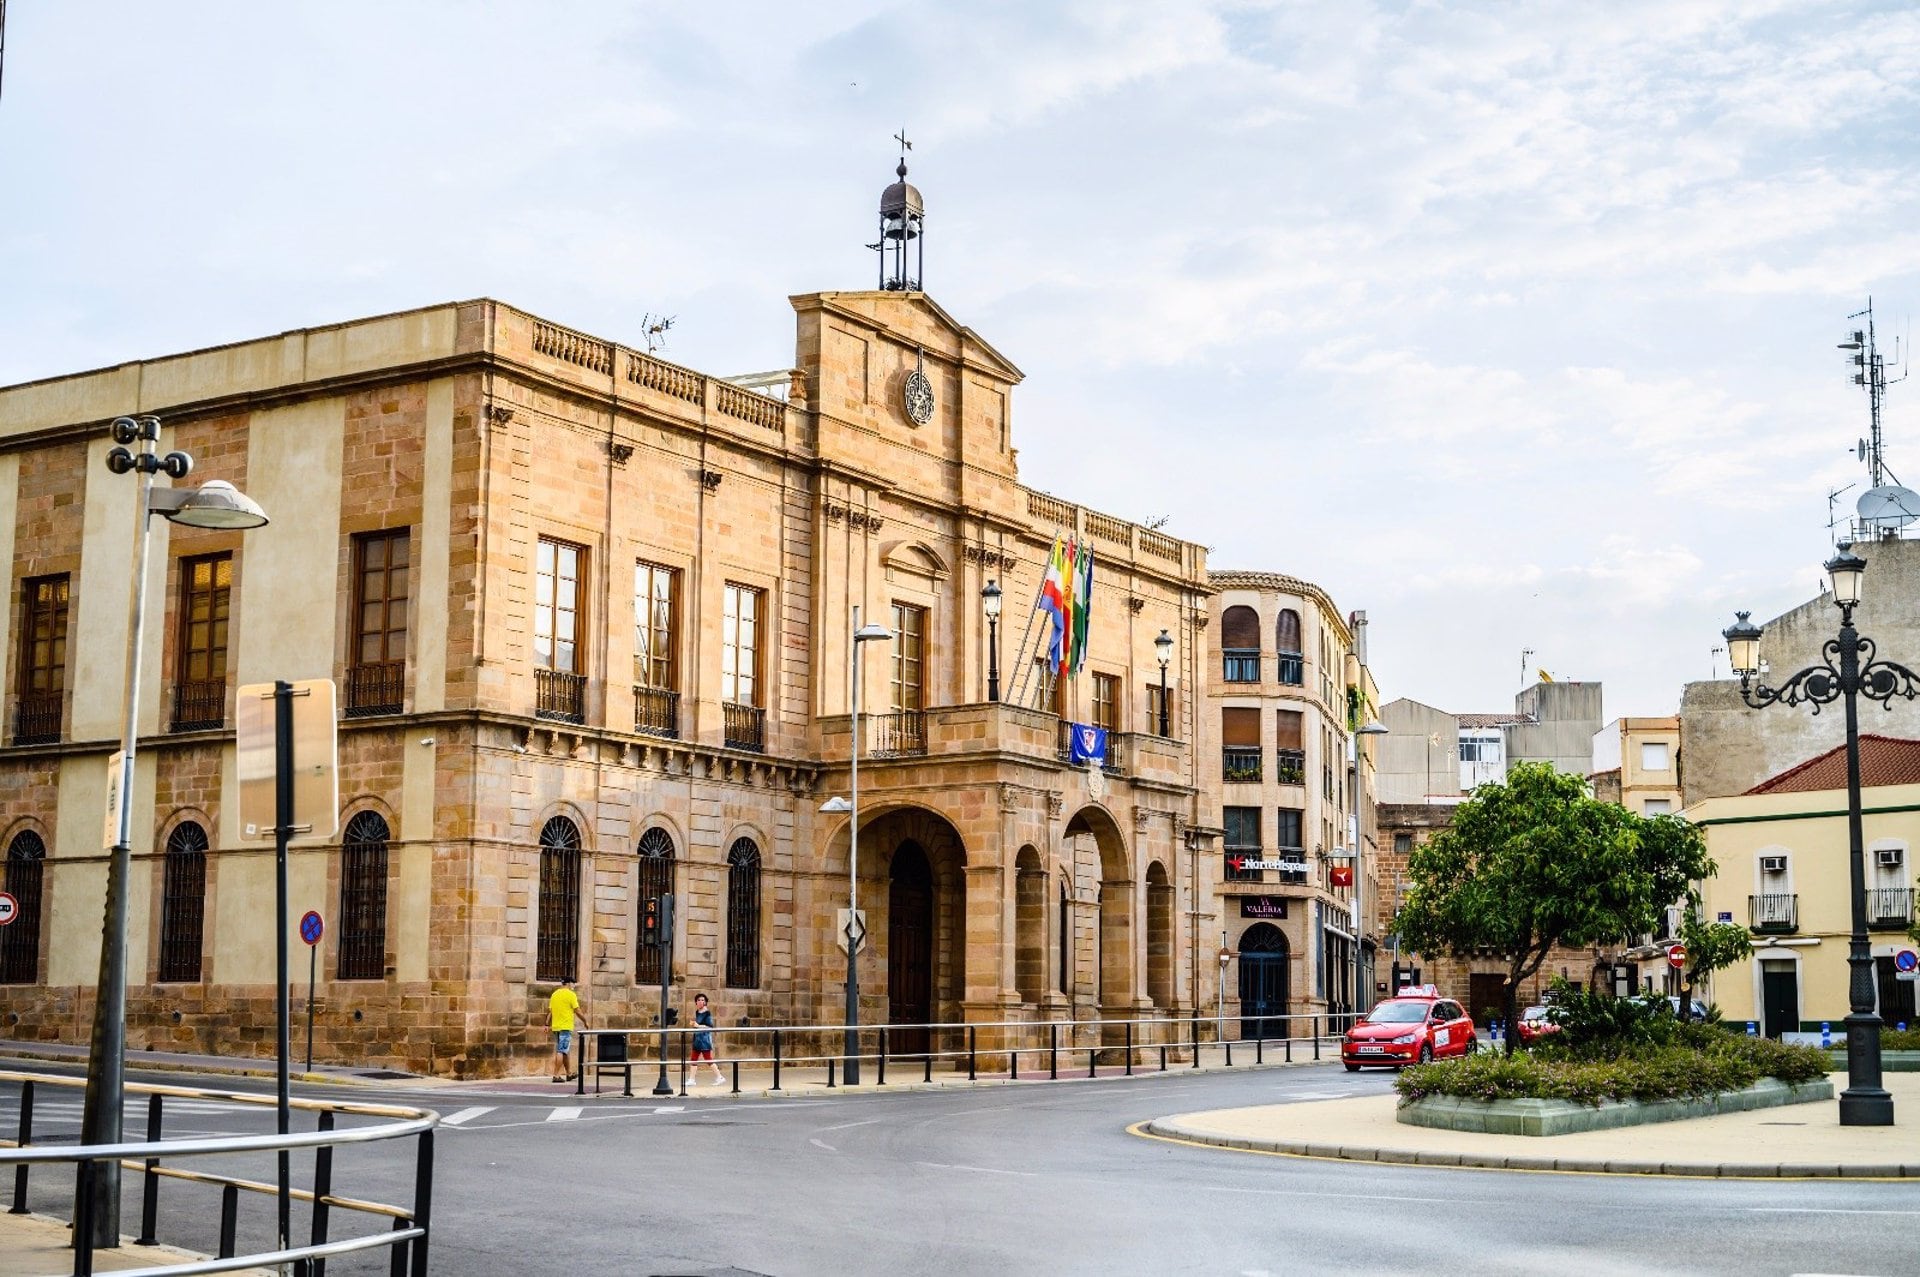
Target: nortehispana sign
<point x="1248" y="864"/>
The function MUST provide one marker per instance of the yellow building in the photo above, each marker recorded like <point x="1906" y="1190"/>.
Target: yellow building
<point x="1636" y="763"/>
<point x="1781" y="851"/>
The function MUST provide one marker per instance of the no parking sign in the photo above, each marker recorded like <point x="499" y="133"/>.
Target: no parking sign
<point x="311" y="927"/>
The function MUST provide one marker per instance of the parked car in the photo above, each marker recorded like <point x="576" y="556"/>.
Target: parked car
<point x="1412" y="1027"/>
<point x="1534" y="1025"/>
<point x="1699" y="1015"/>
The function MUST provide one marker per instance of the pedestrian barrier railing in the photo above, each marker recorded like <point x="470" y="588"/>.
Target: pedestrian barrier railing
<point x="902" y="1053"/>
<point x="406" y="1237"/>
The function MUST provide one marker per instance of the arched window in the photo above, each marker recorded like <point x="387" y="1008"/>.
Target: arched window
<point x="183" y="899"/>
<point x="1287" y="639"/>
<point x="20" y="942"/>
<point x="559" y="941"/>
<point x="656" y="879"/>
<point x="363" y="898"/>
<point x="743" y="915"/>
<point x="1240" y="645"/>
<point x="1065" y="955"/>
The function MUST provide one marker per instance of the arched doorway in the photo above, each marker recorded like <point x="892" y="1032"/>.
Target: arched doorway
<point x="1030" y="926"/>
<point x="910" y="949"/>
<point x="1097" y="851"/>
<point x="1159" y="936"/>
<point x="1263" y="981"/>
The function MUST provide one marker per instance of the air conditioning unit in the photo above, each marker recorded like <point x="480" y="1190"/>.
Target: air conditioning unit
<point x="1773" y="864"/>
<point x="1889" y="856"/>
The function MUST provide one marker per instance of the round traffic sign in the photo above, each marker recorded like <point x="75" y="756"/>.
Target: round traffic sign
<point x="1676" y="955"/>
<point x="1903" y="960"/>
<point x="311" y="927"/>
<point x="9" y="908"/>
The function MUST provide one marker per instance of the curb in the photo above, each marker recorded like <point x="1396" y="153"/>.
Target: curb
<point x="251" y="1069"/>
<point x="1170" y="1129"/>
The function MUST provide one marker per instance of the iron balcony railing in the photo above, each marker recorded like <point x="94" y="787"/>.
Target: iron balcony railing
<point x="560" y="695"/>
<point x="1890" y="908"/>
<point x="199" y="704"/>
<point x="899" y="734"/>
<point x="1290" y="766"/>
<point x="1240" y="665"/>
<point x="745" y="727"/>
<point x="1240" y="763"/>
<point x="656" y="712"/>
<point x="1777" y="912"/>
<point x="1292" y="669"/>
<point x="380" y="688"/>
<point x="1238" y="856"/>
<point x="36" y="718"/>
<point x="1112" y="764"/>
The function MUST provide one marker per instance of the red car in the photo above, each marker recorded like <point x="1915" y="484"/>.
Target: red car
<point x="1414" y="1026"/>
<point x="1535" y="1025"/>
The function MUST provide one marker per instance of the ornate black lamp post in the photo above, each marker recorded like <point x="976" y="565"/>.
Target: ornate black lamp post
<point x="1850" y="670"/>
<point x="990" y="604"/>
<point x="1163" y="652"/>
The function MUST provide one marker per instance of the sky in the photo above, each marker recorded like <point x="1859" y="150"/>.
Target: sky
<point x="1513" y="325"/>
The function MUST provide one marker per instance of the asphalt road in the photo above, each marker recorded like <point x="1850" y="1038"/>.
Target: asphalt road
<point x="1022" y="1179"/>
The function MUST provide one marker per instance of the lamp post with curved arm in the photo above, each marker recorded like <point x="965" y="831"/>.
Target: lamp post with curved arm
<point x="1851" y="669"/>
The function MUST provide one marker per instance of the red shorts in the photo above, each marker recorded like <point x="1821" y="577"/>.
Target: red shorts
<point x="698" y="1056"/>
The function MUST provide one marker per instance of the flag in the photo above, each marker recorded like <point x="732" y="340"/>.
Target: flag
<point x="1082" y="605"/>
<point x="1056" y="601"/>
<point x="1087" y="744"/>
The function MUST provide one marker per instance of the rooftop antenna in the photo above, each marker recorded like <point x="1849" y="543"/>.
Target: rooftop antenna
<point x="3" y="40"/>
<point x="654" y="329"/>
<point x="1154" y="522"/>
<point x="1526" y="659"/>
<point x="1713" y="662"/>
<point x="1886" y="506"/>
<point x="1833" y="518"/>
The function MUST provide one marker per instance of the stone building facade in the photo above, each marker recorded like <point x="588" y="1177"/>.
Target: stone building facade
<point x="590" y="616"/>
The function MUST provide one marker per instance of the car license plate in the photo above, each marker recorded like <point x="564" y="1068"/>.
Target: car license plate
<point x="1372" y="1050"/>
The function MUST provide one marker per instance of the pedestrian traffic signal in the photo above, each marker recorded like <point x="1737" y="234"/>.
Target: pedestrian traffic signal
<point x="650" y="921"/>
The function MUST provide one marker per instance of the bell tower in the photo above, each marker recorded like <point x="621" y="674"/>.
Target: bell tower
<point x="902" y="229"/>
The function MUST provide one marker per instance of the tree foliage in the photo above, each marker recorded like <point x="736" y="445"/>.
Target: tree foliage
<point x="1712" y="946"/>
<point x="1535" y="862"/>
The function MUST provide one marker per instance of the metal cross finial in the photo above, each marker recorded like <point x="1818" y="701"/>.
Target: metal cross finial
<point x="901" y="138"/>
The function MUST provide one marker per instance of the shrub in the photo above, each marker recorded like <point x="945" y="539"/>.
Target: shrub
<point x="1900" y="1039"/>
<point x="1594" y="1024"/>
<point x="1697" y="1060"/>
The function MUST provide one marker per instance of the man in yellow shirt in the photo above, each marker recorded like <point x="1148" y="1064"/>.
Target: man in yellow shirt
<point x="563" y="1008"/>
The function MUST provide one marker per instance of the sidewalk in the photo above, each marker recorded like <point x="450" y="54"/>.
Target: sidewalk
<point x="1798" y="1141"/>
<point x="182" y="1062"/>
<point x="36" y="1246"/>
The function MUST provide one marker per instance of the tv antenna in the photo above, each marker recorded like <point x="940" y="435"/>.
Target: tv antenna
<point x="654" y="330"/>
<point x="1713" y="662"/>
<point x="1886" y="506"/>
<point x="1154" y="522"/>
<point x="1833" y="506"/>
<point x="1526" y="659"/>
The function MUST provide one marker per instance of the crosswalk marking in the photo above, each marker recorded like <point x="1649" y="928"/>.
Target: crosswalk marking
<point x="563" y="1115"/>
<point x="466" y="1115"/>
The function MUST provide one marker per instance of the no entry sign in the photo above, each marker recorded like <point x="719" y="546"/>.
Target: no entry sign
<point x="311" y="928"/>
<point x="9" y="908"/>
<point x="1676" y="955"/>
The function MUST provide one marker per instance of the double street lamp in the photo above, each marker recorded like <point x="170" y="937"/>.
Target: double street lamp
<point x="854" y="934"/>
<point x="1849" y="671"/>
<point x="214" y="504"/>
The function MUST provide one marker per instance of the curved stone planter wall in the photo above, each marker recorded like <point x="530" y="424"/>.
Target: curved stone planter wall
<point x="1565" y="1117"/>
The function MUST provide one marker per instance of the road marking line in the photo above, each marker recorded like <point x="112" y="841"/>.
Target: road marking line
<point x="1822" y="1210"/>
<point x="984" y="1170"/>
<point x="819" y="1144"/>
<point x="563" y="1115"/>
<point x="466" y="1115"/>
<point x="847" y="1126"/>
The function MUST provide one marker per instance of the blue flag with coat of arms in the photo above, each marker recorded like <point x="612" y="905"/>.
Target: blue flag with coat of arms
<point x="1087" y="744"/>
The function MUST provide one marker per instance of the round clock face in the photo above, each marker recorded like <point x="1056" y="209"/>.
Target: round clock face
<point x="918" y="396"/>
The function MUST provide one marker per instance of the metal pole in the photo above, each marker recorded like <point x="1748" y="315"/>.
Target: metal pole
<point x="1865" y="1102"/>
<point x="102" y="1119"/>
<point x="993" y="658"/>
<point x="1359" y="870"/>
<point x="1163" y="700"/>
<point x="282" y="831"/>
<point x="313" y="967"/>
<point x="851" y="1073"/>
<point x="661" y="1086"/>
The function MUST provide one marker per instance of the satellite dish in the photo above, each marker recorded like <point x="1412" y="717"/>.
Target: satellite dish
<point x="1890" y="506"/>
<point x="1860" y="451"/>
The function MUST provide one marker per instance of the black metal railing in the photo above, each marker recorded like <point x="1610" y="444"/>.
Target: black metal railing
<point x="36" y="718"/>
<point x="199" y="704"/>
<point x="375" y="689"/>
<point x="1890" y="908"/>
<point x="1240" y="665"/>
<point x="1110" y="763"/>
<point x="1293" y="856"/>
<point x="656" y="711"/>
<point x="1778" y="912"/>
<point x="1236" y="857"/>
<point x="560" y="694"/>
<point x="899" y="734"/>
<point x="1290" y="766"/>
<point x="1293" y="669"/>
<point x="1240" y="763"/>
<point x="745" y="727"/>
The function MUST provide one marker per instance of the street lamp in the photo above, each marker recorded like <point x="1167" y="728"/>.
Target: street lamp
<point x="215" y="504"/>
<point x="1865" y="1102"/>
<point x="835" y="806"/>
<point x="1163" y="653"/>
<point x="990" y="604"/>
<point x="1372" y="728"/>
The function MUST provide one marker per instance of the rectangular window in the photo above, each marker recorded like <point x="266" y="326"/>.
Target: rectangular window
<point x="1242" y="841"/>
<point x="43" y="659"/>
<point x="1653" y="756"/>
<point x="558" y="618"/>
<point x="909" y="657"/>
<point x="200" y="673"/>
<point x="1106" y="701"/>
<point x="1290" y="754"/>
<point x="656" y="606"/>
<point x="1403" y="844"/>
<point x="377" y="659"/>
<point x="1659" y="806"/>
<point x="1240" y="665"/>
<point x="1290" y="829"/>
<point x="1240" y="745"/>
<point x="740" y="646"/>
<point x="1155" y="695"/>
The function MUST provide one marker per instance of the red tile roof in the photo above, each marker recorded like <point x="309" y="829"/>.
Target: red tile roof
<point x="1884" y="760"/>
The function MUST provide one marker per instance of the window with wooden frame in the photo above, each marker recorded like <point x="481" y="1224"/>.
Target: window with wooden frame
<point x="1241" y="826"/>
<point x="559" y="627"/>
<point x="558" y="941"/>
<point x="183" y="900"/>
<point x="656" y="618"/>
<point x="42" y="680"/>
<point x="363" y="898"/>
<point x="1240" y="645"/>
<point x="655" y="855"/>
<point x="909" y="657"/>
<point x="1106" y="701"/>
<point x="377" y="655"/>
<point x="1290" y="748"/>
<point x="1240" y="752"/>
<point x="1290" y="830"/>
<point x="1287" y="639"/>
<point x="200" y="667"/>
<point x="1155" y="696"/>
<point x="20" y="878"/>
<point x="740" y="645"/>
<point x="743" y="915"/>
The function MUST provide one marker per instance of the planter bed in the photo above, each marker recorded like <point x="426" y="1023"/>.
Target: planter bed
<point x="1566" y="1117"/>
<point x="1890" y="1061"/>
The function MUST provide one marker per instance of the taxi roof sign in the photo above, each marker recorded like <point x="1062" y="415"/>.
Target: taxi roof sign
<point x="1417" y="991"/>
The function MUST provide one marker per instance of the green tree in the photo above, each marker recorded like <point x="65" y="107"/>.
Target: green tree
<point x="1535" y="862"/>
<point x="1711" y="946"/>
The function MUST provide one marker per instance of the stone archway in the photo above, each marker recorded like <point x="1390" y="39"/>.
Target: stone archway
<point x="913" y="889"/>
<point x="1159" y="937"/>
<point x="1030" y="926"/>
<point x="1099" y="852"/>
<point x="1263" y="982"/>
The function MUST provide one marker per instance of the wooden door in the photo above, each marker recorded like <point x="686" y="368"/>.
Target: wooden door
<point x="910" y="951"/>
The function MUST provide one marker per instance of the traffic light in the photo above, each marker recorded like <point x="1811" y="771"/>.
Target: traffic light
<point x="650" y="921"/>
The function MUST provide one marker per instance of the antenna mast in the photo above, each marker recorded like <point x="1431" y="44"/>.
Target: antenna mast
<point x="1870" y="370"/>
